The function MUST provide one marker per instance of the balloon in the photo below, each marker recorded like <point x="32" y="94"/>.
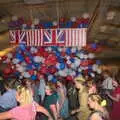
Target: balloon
<point x="85" y="15"/>
<point x="91" y="55"/>
<point x="31" y="72"/>
<point x="36" y="21"/>
<point x="54" y="80"/>
<point x="73" y="19"/>
<point x="19" y="57"/>
<point x="52" y="70"/>
<point x="15" y="61"/>
<point x="27" y="59"/>
<point x="68" y="51"/>
<point x="7" y="71"/>
<point x="14" y="18"/>
<point x="10" y="55"/>
<point x="26" y="75"/>
<point x="33" y="77"/>
<point x="55" y="23"/>
<point x="69" y="78"/>
<point x="62" y="66"/>
<point x="50" y="77"/>
<point x="37" y="59"/>
<point x="94" y="45"/>
<point x="24" y="26"/>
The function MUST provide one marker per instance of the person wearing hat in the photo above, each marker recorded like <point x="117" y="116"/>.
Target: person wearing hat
<point x="83" y="111"/>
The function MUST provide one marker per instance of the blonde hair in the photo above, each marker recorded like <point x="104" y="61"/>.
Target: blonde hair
<point x="98" y="99"/>
<point x="25" y="94"/>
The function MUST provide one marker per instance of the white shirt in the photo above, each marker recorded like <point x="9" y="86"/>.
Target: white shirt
<point x="107" y="83"/>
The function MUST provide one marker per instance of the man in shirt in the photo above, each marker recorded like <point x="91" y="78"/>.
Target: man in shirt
<point x="8" y="99"/>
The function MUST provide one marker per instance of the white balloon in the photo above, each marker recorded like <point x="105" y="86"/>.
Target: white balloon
<point x="77" y="62"/>
<point x="73" y="19"/>
<point x="14" y="18"/>
<point x="24" y="26"/>
<point x="7" y="61"/>
<point x="81" y="55"/>
<point x="85" y="56"/>
<point x="91" y="55"/>
<point x="68" y="62"/>
<point x="10" y="55"/>
<point x="20" y="69"/>
<point x="58" y="65"/>
<point x="92" y="74"/>
<point x="60" y="49"/>
<point x="36" y="21"/>
<point x="37" y="59"/>
<point x="33" y="50"/>
<point x="33" y="26"/>
<point x="85" y="15"/>
<point x="15" y="61"/>
<point x="68" y="57"/>
<point x="99" y="71"/>
<point x="73" y="66"/>
<point x="73" y="50"/>
<point x="23" y="64"/>
<point x="26" y="75"/>
<point x="49" y="49"/>
<point x="73" y="73"/>
<point x="94" y="67"/>
<point x="79" y="70"/>
<point x="55" y="23"/>
<point x="50" y="77"/>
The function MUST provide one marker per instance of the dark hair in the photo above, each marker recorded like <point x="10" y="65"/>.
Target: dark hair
<point x="9" y="84"/>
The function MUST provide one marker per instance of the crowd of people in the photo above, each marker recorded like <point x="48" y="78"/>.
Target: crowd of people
<point x="81" y="98"/>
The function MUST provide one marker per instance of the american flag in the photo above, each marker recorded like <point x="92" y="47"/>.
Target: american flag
<point x="51" y="37"/>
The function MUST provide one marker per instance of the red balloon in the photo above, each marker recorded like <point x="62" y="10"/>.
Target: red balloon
<point x="43" y="70"/>
<point x="69" y="78"/>
<point x="7" y="71"/>
<point x="27" y="59"/>
<point x="52" y="70"/>
<point x="62" y="19"/>
<point x="31" y="72"/>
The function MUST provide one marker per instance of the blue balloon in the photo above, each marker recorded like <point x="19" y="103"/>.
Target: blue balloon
<point x="22" y="47"/>
<point x="94" y="45"/>
<point x="20" y="57"/>
<point x="62" y="66"/>
<point x="29" y="66"/>
<point x="58" y="54"/>
<point x="33" y="77"/>
<point x="60" y="60"/>
<point x="54" y="80"/>
<point x="54" y="48"/>
<point x="68" y="51"/>
<point x="36" y="65"/>
<point x="72" y="60"/>
<point x="80" y="25"/>
<point x="98" y="62"/>
<point x="90" y="67"/>
<point x="69" y="24"/>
